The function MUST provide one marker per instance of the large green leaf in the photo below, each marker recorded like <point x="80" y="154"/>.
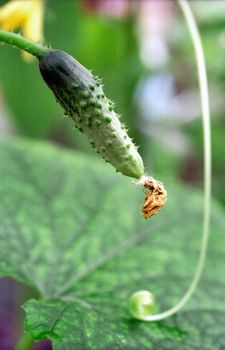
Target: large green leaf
<point x="71" y="228"/>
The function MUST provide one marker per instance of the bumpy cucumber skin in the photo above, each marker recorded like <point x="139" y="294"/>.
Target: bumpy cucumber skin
<point x="82" y="98"/>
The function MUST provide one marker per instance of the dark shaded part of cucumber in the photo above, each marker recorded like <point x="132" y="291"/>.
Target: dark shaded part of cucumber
<point x="62" y="71"/>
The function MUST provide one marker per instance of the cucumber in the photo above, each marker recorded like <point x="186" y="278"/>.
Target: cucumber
<point x="82" y="98"/>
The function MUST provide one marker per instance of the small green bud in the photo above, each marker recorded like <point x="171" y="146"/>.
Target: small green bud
<point x="83" y="104"/>
<point x="109" y="143"/>
<point x="92" y="102"/>
<point x="84" y="94"/>
<point x="107" y="119"/>
<point x="142" y="304"/>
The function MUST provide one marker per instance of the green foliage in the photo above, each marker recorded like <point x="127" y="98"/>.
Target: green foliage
<point x="72" y="229"/>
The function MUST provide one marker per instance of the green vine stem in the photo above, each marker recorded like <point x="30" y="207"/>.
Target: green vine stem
<point x="141" y="303"/>
<point x="22" y="43"/>
<point x="25" y="342"/>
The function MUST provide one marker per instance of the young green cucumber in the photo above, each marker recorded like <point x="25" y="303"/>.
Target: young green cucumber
<point x="82" y="98"/>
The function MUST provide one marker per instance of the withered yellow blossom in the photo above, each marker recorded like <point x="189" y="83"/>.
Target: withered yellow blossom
<point x="155" y="197"/>
<point x="26" y="15"/>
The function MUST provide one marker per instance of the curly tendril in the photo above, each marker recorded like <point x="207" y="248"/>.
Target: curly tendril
<point x="142" y="303"/>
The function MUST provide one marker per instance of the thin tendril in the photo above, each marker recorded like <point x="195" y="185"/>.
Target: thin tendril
<point x="203" y="85"/>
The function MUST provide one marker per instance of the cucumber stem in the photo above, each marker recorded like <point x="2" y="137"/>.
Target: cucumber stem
<point x="25" y="342"/>
<point x="22" y="43"/>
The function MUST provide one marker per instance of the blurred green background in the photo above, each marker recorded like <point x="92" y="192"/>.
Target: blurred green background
<point x="143" y="52"/>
